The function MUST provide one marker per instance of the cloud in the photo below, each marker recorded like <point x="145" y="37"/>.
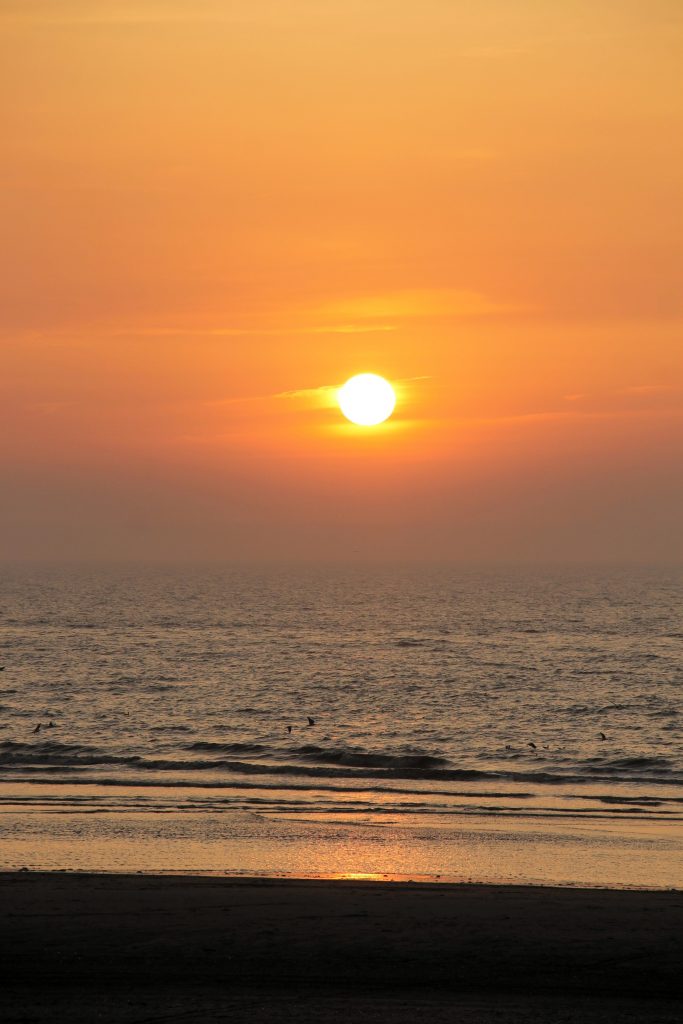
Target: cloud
<point x="417" y="303"/>
<point x="165" y="331"/>
<point x="237" y="332"/>
<point x="356" y="314"/>
<point x="631" y="391"/>
<point x="648" y="389"/>
<point x="322" y="394"/>
<point x="574" y="414"/>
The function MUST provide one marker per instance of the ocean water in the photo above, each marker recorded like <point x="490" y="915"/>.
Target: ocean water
<point x="457" y="719"/>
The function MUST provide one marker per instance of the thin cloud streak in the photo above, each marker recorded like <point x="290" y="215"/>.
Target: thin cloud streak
<point x="574" y="414"/>
<point x="633" y="390"/>
<point x="236" y="332"/>
<point x="649" y="389"/>
<point x="322" y="390"/>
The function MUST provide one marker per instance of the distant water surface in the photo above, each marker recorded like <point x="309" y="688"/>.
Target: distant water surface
<point x="171" y="692"/>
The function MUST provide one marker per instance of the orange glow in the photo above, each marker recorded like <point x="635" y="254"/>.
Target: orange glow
<point x="213" y="215"/>
<point x="360" y="876"/>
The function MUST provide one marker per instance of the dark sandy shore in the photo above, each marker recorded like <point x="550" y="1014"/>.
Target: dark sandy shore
<point x="151" y="949"/>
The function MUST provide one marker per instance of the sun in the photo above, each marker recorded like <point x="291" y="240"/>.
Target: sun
<point x="367" y="399"/>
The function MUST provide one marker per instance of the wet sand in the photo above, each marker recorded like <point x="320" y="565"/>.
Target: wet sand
<point x="148" y="948"/>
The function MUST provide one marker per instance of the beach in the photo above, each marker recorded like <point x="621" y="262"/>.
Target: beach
<point x="451" y="840"/>
<point x="151" y="948"/>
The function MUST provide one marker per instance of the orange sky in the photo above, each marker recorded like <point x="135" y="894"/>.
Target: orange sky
<point x="214" y="211"/>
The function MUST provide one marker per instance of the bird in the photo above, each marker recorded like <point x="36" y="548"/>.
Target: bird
<point x="532" y="745"/>
<point x="311" y="721"/>
<point x="289" y="729"/>
<point x="602" y="736"/>
<point x="37" y="728"/>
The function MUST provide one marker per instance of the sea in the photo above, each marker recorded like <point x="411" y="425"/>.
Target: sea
<point x="385" y="722"/>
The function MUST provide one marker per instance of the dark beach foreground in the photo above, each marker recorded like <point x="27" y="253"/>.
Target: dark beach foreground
<point x="147" y="948"/>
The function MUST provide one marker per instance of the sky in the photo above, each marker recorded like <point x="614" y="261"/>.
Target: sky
<point x="216" y="211"/>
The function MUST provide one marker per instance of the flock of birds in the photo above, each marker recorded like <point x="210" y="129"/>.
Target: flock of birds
<point x="50" y="725"/>
<point x="311" y="722"/>
<point x="533" y="746"/>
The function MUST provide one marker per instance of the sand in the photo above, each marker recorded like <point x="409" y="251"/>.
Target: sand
<point x="142" y="948"/>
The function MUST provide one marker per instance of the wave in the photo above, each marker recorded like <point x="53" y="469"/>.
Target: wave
<point x="617" y="707"/>
<point x="636" y="762"/>
<point x="353" y="757"/>
<point x="333" y="763"/>
<point x="373" y="789"/>
<point x="62" y="755"/>
<point x="228" y="748"/>
<point x="171" y="728"/>
<point x="357" y="758"/>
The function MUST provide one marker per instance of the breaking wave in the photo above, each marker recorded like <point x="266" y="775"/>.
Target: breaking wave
<point x="311" y="761"/>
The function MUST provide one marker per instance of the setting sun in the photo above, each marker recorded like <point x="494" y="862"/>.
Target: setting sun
<point x="367" y="399"/>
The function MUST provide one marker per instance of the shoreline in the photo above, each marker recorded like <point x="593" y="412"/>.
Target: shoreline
<point x="361" y="878"/>
<point x="55" y="829"/>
